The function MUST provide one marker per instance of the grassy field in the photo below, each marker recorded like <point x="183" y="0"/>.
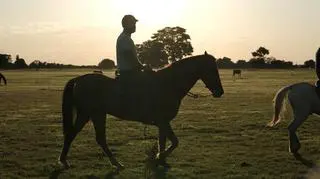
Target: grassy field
<point x="219" y="138"/>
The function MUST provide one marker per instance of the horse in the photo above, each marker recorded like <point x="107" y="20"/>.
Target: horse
<point x="304" y="101"/>
<point x="4" y="79"/>
<point x="153" y="99"/>
<point x="236" y="72"/>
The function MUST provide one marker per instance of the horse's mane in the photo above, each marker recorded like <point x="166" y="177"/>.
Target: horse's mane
<point x="183" y="61"/>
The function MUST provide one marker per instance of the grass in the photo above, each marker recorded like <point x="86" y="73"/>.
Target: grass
<point x="219" y="138"/>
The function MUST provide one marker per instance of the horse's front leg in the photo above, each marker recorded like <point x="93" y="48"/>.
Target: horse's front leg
<point x="99" y="122"/>
<point x="161" y="142"/>
<point x="165" y="131"/>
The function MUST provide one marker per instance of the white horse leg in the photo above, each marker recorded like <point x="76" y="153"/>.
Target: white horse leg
<point x="294" y="144"/>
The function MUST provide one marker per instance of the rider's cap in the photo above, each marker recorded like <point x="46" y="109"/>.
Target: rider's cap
<point x="128" y="20"/>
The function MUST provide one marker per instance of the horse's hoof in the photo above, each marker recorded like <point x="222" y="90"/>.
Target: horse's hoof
<point x="117" y="165"/>
<point x="64" y="164"/>
<point x="296" y="155"/>
<point x="294" y="149"/>
<point x="120" y="167"/>
<point x="163" y="163"/>
<point x="160" y="156"/>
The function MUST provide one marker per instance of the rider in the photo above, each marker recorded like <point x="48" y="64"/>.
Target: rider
<point x="127" y="60"/>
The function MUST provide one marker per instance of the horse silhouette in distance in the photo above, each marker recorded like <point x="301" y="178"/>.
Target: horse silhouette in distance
<point x="153" y="99"/>
<point x="236" y="72"/>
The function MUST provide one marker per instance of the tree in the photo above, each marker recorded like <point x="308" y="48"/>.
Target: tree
<point x="261" y="52"/>
<point x="176" y="42"/>
<point x="310" y="63"/>
<point x="106" y="64"/>
<point x="20" y="62"/>
<point x="270" y="60"/>
<point x="241" y="64"/>
<point x="225" y="62"/>
<point x="258" y="60"/>
<point x="37" y="64"/>
<point x="152" y="53"/>
<point x="280" y="64"/>
<point x="5" y="60"/>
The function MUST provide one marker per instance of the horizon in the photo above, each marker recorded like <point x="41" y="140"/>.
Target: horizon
<point x="83" y="33"/>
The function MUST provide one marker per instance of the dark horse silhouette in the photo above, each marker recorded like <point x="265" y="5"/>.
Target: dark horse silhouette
<point x="4" y="79"/>
<point x="152" y="99"/>
<point x="236" y="72"/>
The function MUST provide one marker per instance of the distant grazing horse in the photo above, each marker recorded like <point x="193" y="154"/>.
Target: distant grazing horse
<point x="304" y="102"/>
<point x="4" y="79"/>
<point x="152" y="99"/>
<point x="238" y="72"/>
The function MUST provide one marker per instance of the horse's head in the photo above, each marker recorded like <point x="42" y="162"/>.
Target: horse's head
<point x="210" y="75"/>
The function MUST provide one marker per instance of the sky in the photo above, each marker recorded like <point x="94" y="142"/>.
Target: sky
<point x="83" y="32"/>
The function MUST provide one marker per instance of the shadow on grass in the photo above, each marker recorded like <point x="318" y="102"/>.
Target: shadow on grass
<point x="109" y="175"/>
<point x="153" y="170"/>
<point x="304" y="161"/>
<point x="55" y="173"/>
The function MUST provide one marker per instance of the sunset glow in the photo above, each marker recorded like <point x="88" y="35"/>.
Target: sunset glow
<point x="84" y="32"/>
<point x="151" y="13"/>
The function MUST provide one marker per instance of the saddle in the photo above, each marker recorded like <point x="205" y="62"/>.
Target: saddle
<point x="142" y="82"/>
<point x="137" y="89"/>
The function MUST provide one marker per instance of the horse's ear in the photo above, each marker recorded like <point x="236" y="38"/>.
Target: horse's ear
<point x="205" y="53"/>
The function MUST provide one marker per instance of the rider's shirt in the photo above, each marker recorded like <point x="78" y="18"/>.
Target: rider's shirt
<point x="126" y="53"/>
<point x="318" y="63"/>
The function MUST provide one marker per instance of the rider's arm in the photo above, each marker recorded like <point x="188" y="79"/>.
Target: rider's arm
<point x="136" y="61"/>
<point x="131" y="56"/>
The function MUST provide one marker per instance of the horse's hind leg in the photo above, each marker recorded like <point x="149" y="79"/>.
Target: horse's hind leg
<point x="99" y="122"/>
<point x="299" y="117"/>
<point x="81" y="120"/>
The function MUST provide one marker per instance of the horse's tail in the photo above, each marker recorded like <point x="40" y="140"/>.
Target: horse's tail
<point x="278" y="104"/>
<point x="67" y="106"/>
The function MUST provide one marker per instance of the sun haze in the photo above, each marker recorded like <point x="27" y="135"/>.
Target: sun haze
<point x="84" y="32"/>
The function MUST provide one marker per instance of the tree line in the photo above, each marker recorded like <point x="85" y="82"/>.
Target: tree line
<point x="166" y="46"/>
<point x="6" y="62"/>
<point x="260" y="59"/>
